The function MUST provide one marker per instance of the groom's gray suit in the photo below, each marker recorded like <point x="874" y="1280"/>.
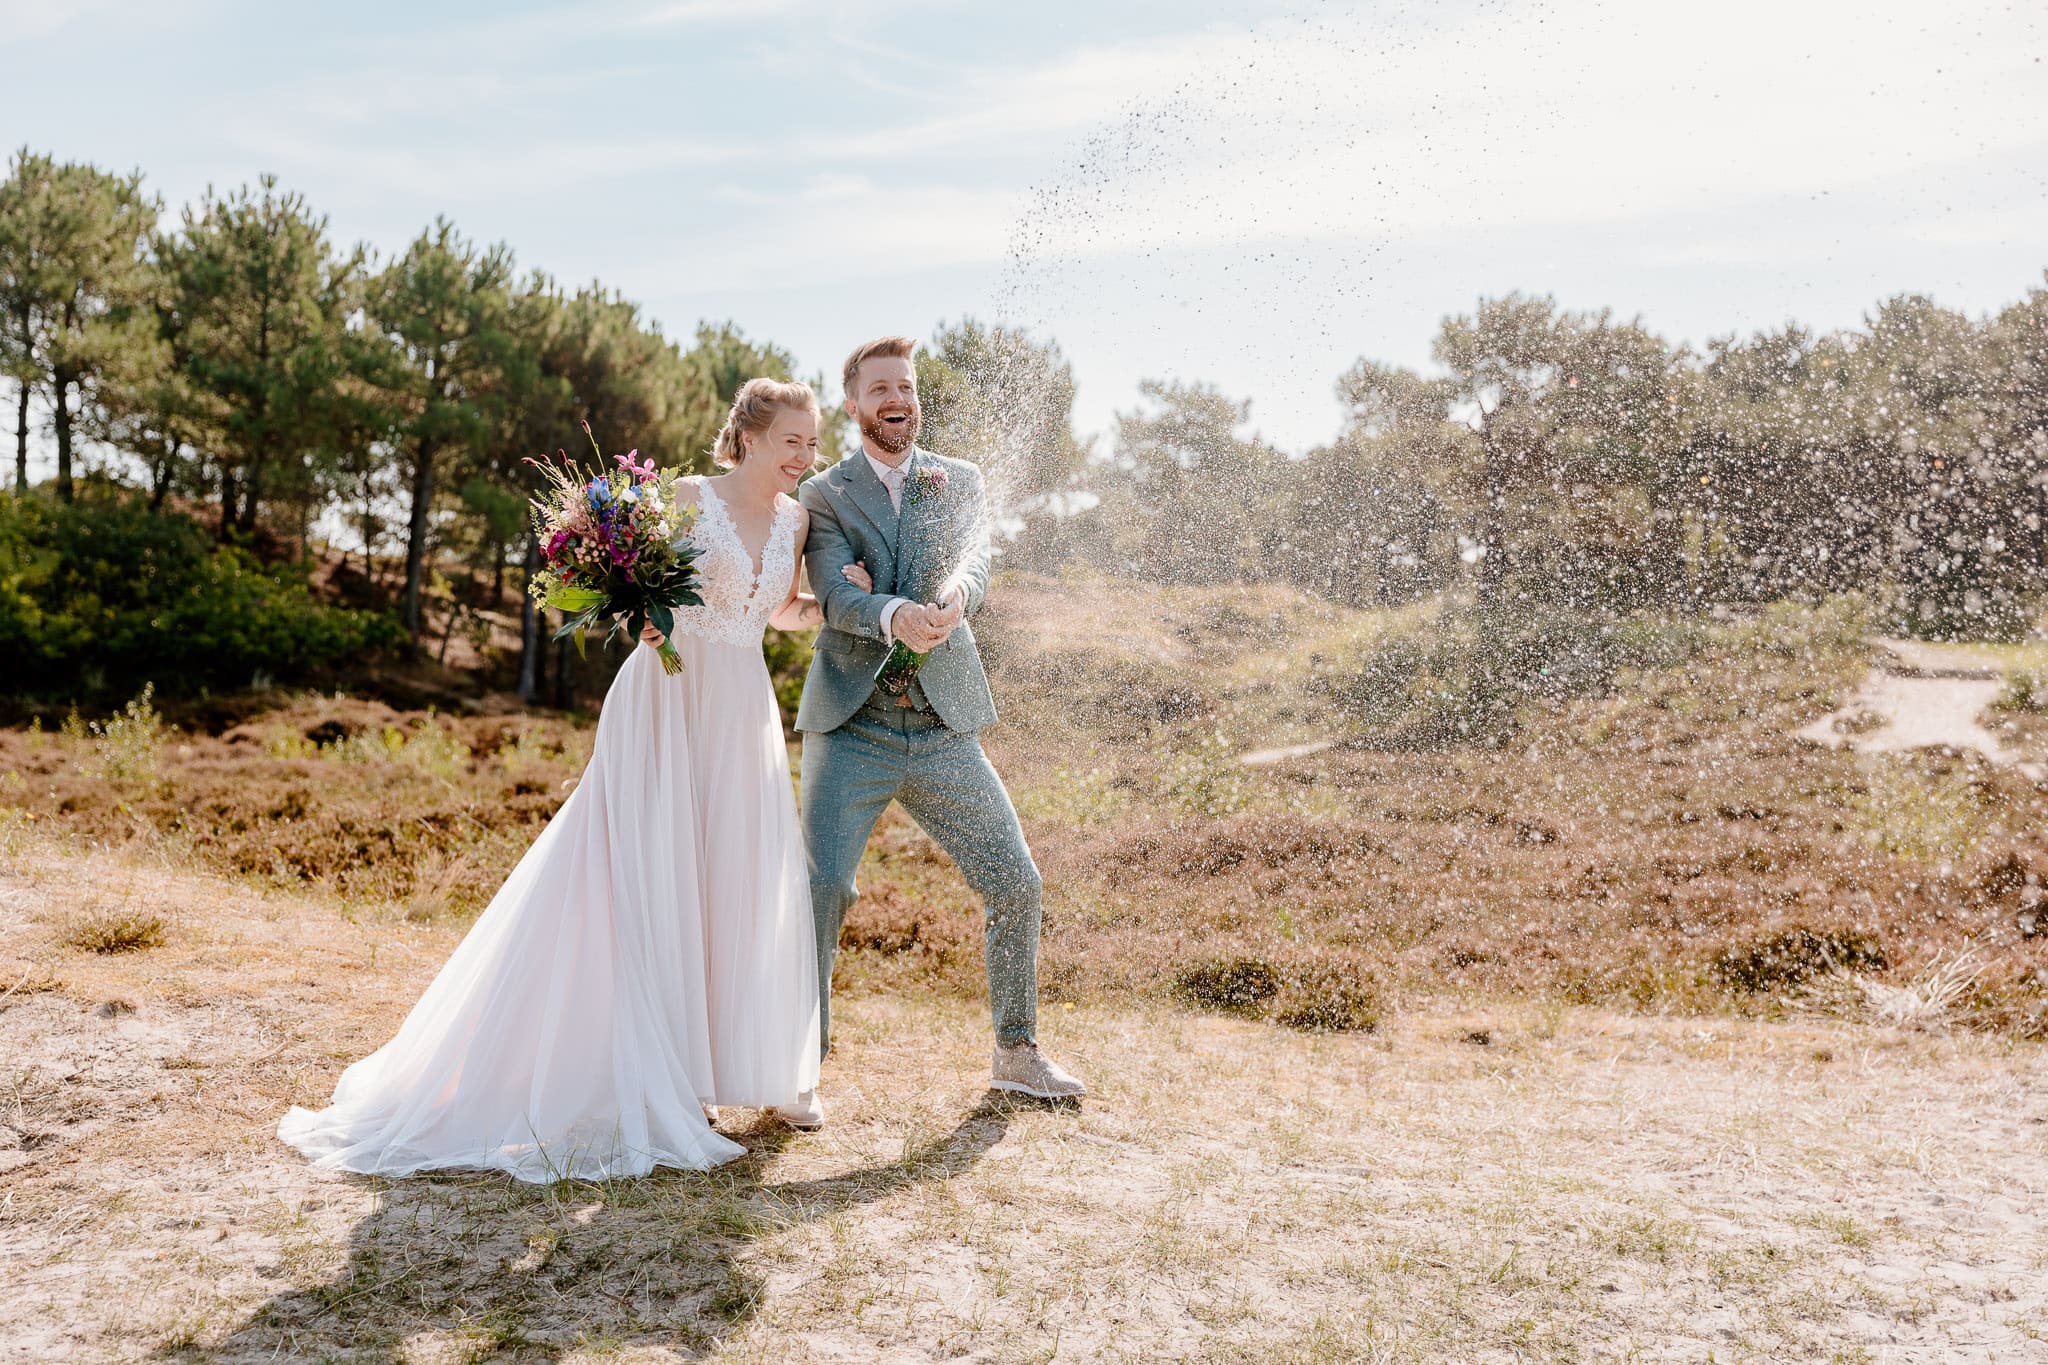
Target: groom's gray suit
<point x="863" y="749"/>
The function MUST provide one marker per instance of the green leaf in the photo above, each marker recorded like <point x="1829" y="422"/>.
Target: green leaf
<point x="579" y="644"/>
<point x="664" y="619"/>
<point x="575" y="599"/>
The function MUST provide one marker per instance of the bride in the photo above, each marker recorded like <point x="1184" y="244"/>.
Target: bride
<point x="652" y="956"/>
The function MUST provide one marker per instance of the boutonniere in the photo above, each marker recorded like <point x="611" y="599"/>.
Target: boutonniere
<point x="928" y="482"/>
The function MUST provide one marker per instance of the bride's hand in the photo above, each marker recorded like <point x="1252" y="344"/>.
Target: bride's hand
<point x="857" y="574"/>
<point x="650" y="636"/>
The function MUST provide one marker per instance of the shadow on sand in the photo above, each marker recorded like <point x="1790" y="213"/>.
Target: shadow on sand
<point x="512" y="1271"/>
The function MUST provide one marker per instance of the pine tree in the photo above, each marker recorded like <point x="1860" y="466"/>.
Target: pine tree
<point x="443" y="306"/>
<point x="257" y="298"/>
<point x="74" y="281"/>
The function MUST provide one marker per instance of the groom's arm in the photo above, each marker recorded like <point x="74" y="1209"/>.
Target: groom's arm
<point x="826" y="556"/>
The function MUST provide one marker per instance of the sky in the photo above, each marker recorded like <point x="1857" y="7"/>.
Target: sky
<point x="1254" y="195"/>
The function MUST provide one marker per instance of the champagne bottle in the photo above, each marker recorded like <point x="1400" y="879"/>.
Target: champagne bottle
<point x="899" y="670"/>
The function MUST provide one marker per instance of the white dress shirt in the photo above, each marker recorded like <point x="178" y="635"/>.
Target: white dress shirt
<point x="892" y="478"/>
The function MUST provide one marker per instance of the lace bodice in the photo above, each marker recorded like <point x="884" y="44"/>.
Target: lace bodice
<point x="737" y="602"/>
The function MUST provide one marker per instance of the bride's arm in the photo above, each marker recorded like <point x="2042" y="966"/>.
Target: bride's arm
<point x="800" y="610"/>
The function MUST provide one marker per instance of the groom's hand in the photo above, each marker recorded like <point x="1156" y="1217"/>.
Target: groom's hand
<point x="922" y="629"/>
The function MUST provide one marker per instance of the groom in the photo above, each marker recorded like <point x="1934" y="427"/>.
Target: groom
<point x="918" y="521"/>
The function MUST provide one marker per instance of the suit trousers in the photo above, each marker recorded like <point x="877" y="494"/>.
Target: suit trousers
<point x="945" y="783"/>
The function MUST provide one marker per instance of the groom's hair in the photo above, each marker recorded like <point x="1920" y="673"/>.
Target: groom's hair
<point x="888" y="348"/>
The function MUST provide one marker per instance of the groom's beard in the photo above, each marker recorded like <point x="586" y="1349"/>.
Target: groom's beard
<point x="894" y="439"/>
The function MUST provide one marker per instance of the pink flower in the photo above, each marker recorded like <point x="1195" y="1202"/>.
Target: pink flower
<point x="642" y="472"/>
<point x="929" y="483"/>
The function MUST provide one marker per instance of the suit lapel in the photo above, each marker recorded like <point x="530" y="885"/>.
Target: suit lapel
<point x="871" y="498"/>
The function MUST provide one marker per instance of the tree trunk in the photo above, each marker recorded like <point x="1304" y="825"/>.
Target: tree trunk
<point x="227" y="500"/>
<point x="564" y="680"/>
<point x="1493" y="526"/>
<point x="62" y="414"/>
<point x="369" y="532"/>
<point x="416" y="535"/>
<point x="160" y="474"/>
<point x="448" y="631"/>
<point x="252" y="494"/>
<point x="529" y="630"/>
<point x="21" y="440"/>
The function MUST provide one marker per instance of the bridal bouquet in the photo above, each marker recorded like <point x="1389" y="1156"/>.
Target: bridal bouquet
<point x="614" y="543"/>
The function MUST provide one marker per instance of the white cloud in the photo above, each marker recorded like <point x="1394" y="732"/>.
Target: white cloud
<point x="823" y="228"/>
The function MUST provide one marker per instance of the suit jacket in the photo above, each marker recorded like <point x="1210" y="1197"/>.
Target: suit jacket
<point x="940" y="537"/>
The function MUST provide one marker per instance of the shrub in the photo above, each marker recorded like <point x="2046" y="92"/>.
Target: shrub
<point x="431" y="747"/>
<point x="1242" y="985"/>
<point x="1205" y="778"/>
<point x="2025" y="690"/>
<point x="117" y="932"/>
<point x="1316" y="997"/>
<point x="127" y="749"/>
<point x="1327" y="999"/>
<point x="100" y="595"/>
<point x="1794" y="956"/>
<point x="1463" y="678"/>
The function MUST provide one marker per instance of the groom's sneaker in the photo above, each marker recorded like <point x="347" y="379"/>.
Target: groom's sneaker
<point x="807" y="1115"/>
<point x="1027" y="1071"/>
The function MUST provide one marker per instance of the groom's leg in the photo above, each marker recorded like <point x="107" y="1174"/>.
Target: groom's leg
<point x="955" y="795"/>
<point x="849" y="776"/>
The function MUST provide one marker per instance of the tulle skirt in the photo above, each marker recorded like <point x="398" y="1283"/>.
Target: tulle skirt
<point x="653" y="952"/>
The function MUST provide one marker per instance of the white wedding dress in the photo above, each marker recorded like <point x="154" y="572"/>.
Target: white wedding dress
<point x="653" y="951"/>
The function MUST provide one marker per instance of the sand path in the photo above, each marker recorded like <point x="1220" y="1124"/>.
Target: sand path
<point x="1922" y="695"/>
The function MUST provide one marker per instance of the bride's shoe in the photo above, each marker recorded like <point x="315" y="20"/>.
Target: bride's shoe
<point x="711" y="1115"/>
<point x="807" y="1115"/>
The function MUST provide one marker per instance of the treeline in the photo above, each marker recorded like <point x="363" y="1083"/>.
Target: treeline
<point x="235" y="364"/>
<point x="233" y="369"/>
<point x="1570" y="461"/>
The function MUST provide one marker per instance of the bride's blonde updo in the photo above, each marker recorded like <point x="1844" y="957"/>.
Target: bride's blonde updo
<point x="753" y="412"/>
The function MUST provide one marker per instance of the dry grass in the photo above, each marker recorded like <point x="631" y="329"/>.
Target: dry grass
<point x="335" y="795"/>
<point x="1930" y="1001"/>
<point x="1506" y="1183"/>
<point x="1634" y="848"/>
<point x="117" y="932"/>
<point x="1632" y="1036"/>
<point x="1626" y="849"/>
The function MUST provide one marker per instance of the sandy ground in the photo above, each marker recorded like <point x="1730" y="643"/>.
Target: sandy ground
<point x="1491" y="1185"/>
<point x="1924" y="695"/>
